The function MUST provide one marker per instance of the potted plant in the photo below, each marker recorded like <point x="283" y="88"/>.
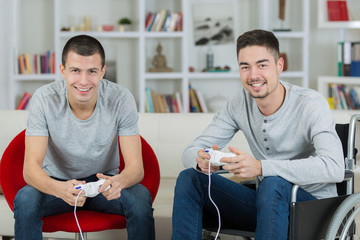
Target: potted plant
<point x="124" y="24"/>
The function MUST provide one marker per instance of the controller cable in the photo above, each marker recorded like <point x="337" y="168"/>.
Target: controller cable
<point x="77" y="222"/>
<point x="217" y="209"/>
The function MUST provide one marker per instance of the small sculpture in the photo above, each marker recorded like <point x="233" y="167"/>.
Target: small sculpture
<point x="159" y="62"/>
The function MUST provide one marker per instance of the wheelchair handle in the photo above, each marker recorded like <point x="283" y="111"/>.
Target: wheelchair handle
<point x="351" y="142"/>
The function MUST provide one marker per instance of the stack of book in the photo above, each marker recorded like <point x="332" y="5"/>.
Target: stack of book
<point x="36" y="63"/>
<point x="197" y="103"/>
<point x="348" y="58"/>
<point x="162" y="103"/>
<point x="342" y="97"/>
<point x="163" y="21"/>
<point x="171" y="103"/>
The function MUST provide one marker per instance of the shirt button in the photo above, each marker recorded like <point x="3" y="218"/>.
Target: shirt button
<point x="265" y="139"/>
<point x="267" y="149"/>
<point x="265" y="121"/>
<point x="264" y="130"/>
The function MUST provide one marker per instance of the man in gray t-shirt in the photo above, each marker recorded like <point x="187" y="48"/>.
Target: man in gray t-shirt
<point x="72" y="136"/>
<point x="291" y="133"/>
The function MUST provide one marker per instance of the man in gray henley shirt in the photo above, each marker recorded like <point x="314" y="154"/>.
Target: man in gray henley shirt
<point x="291" y="133"/>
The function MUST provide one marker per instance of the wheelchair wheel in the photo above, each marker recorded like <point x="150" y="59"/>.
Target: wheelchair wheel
<point x="343" y="223"/>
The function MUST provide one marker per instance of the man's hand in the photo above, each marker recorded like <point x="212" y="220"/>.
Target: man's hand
<point x="114" y="191"/>
<point x="68" y="193"/>
<point x="203" y="161"/>
<point x="243" y="165"/>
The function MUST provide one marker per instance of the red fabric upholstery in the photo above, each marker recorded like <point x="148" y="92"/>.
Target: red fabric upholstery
<point x="11" y="180"/>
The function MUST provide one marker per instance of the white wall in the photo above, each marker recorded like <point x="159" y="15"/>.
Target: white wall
<point x="4" y="54"/>
<point x="322" y="49"/>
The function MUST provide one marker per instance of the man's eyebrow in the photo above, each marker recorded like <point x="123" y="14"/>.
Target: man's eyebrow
<point x="257" y="62"/>
<point x="90" y="69"/>
<point x="94" y="68"/>
<point x="262" y="60"/>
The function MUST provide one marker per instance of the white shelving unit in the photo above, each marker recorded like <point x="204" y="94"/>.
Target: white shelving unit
<point x="132" y="51"/>
<point x="297" y="18"/>
<point x="20" y="35"/>
<point x="324" y="81"/>
<point x="345" y="29"/>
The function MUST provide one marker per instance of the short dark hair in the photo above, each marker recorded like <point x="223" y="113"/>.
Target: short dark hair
<point x="83" y="45"/>
<point x="258" y="37"/>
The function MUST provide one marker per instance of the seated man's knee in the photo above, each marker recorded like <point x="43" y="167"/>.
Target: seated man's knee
<point x="27" y="201"/>
<point x="274" y="187"/>
<point x="138" y="199"/>
<point x="185" y="180"/>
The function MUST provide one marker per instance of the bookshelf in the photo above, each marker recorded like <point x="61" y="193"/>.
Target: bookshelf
<point x="131" y="52"/>
<point x="348" y="31"/>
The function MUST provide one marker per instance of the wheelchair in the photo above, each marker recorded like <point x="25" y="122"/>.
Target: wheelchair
<point x="330" y="218"/>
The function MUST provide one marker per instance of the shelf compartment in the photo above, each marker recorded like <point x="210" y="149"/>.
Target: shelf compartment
<point x="112" y="34"/>
<point x="35" y="77"/>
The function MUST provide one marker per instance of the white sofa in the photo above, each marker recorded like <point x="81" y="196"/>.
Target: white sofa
<point x="168" y="134"/>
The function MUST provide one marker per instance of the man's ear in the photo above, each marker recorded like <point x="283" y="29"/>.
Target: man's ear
<point x="103" y="70"/>
<point x="62" y="70"/>
<point x="280" y="65"/>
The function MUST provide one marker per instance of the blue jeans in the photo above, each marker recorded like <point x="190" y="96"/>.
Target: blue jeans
<point x="265" y="211"/>
<point x="30" y="205"/>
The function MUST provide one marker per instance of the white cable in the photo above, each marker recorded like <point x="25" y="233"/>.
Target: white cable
<point x="77" y="222"/>
<point x="209" y="192"/>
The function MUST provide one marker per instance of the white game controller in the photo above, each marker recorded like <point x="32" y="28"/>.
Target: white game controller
<point x="217" y="155"/>
<point x="91" y="189"/>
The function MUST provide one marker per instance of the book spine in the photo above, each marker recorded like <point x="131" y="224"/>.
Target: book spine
<point x="347" y="58"/>
<point x="28" y="63"/>
<point x="340" y="46"/>
<point x="21" y="64"/>
<point x="149" y="100"/>
<point x="23" y="101"/>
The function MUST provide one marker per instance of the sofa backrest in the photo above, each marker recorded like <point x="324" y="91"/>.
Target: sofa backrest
<point x="168" y="134"/>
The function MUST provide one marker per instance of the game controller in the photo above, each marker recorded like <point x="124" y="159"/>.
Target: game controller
<point x="217" y="155"/>
<point x="91" y="189"/>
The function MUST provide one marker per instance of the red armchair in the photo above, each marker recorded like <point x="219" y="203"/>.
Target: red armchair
<point x="11" y="180"/>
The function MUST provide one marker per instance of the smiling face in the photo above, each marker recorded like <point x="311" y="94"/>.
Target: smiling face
<point x="82" y="75"/>
<point x="259" y="71"/>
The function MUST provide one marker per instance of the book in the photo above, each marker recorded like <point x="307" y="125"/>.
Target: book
<point x="179" y="102"/>
<point x="148" y="19"/>
<point x="155" y="22"/>
<point x="160" y="24"/>
<point x="156" y="103"/>
<point x="48" y="69"/>
<point x="201" y="100"/>
<point x="340" y="46"/>
<point x="194" y="104"/>
<point x="354" y="98"/>
<point x="337" y="10"/>
<point x="151" y="22"/>
<point x="21" y="64"/>
<point x="53" y="62"/>
<point x="355" y="59"/>
<point x="27" y="63"/>
<point x="347" y="58"/>
<point x="149" y="100"/>
<point x="172" y="23"/>
<point x="178" y="26"/>
<point x="167" y="22"/>
<point x="24" y="101"/>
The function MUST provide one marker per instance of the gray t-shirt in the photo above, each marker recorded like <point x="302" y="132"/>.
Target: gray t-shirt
<point x="298" y="142"/>
<point x="80" y="148"/>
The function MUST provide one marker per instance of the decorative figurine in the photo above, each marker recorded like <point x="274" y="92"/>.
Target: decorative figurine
<point x="159" y="62"/>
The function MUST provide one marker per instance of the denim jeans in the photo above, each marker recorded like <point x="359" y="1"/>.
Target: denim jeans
<point x="30" y="205"/>
<point x="265" y="211"/>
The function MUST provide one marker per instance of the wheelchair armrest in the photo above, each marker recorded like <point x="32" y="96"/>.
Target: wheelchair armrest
<point x="294" y="192"/>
